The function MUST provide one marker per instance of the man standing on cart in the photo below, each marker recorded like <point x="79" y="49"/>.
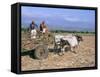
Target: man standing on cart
<point x="33" y="30"/>
<point x="43" y="27"/>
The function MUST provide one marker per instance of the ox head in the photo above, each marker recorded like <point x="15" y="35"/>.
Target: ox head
<point x="57" y="39"/>
<point x="79" y="38"/>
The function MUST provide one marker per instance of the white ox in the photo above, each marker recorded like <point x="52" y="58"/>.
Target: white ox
<point x="62" y="41"/>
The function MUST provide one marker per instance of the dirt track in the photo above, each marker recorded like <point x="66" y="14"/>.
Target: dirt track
<point x="84" y="57"/>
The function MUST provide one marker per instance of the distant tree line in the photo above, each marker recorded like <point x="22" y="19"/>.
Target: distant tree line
<point x="66" y="31"/>
<point x="24" y="29"/>
<point x="61" y="31"/>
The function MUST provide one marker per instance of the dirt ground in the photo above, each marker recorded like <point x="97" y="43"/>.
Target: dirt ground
<point x="84" y="57"/>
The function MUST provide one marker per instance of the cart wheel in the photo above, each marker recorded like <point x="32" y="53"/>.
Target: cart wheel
<point x="41" y="52"/>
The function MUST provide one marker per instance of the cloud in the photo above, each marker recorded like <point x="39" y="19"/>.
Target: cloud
<point x="36" y="15"/>
<point x="70" y="18"/>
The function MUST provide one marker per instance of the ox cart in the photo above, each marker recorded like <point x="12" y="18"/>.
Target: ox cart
<point x="44" y="42"/>
<point x="40" y="45"/>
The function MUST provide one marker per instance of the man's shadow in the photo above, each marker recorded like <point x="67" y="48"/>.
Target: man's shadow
<point x="29" y="53"/>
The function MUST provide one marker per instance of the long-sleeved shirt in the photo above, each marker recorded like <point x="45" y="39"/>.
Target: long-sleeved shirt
<point x="33" y="26"/>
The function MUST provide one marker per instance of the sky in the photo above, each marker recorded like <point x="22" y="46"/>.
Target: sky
<point x="59" y="18"/>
